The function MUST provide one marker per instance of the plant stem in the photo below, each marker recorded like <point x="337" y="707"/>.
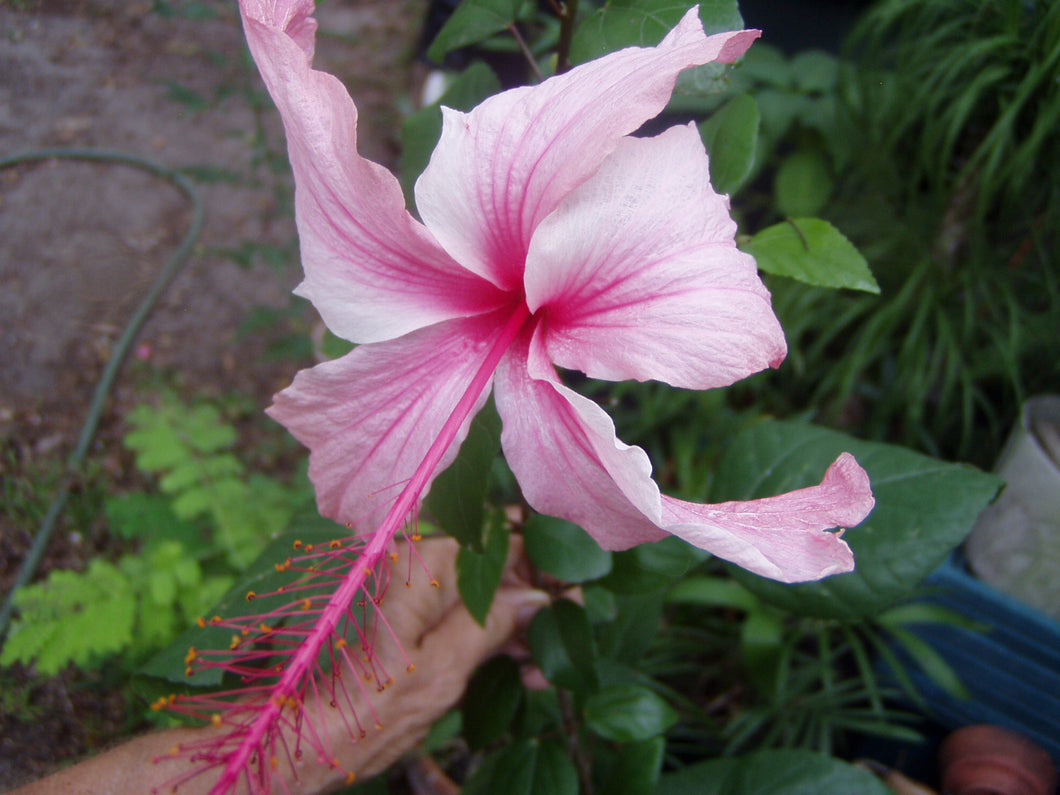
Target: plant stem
<point x="582" y="763"/>
<point x="567" y="11"/>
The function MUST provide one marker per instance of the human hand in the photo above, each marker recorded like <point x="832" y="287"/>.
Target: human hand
<point x="442" y="641"/>
<point x="439" y="637"/>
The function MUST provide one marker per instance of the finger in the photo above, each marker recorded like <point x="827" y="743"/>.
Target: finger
<point x="423" y="586"/>
<point x="459" y="643"/>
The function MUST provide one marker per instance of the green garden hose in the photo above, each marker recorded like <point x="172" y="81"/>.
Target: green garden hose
<point x="121" y="348"/>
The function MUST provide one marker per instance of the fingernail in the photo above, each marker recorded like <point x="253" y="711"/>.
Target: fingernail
<point x="528" y="601"/>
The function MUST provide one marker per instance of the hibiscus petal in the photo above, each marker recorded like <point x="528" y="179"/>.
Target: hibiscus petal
<point x="500" y="169"/>
<point x="563" y="450"/>
<point x="372" y="271"/>
<point x="638" y="273"/>
<point x="564" y="453"/>
<point x="369" y="418"/>
<point x="781" y="537"/>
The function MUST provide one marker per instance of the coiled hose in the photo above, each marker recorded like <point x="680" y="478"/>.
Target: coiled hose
<point x="121" y="348"/>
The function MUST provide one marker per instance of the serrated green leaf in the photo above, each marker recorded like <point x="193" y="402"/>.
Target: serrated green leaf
<point x="731" y="138"/>
<point x="803" y="184"/>
<point x="778" y="772"/>
<point x="72" y="617"/>
<point x="628" y="713"/>
<point x="473" y="21"/>
<point x="146" y="516"/>
<point x="561" y="642"/>
<point x="190" y="473"/>
<point x="493" y="697"/>
<point x="261" y="577"/>
<point x="564" y="550"/>
<point x="457" y="497"/>
<point x="812" y="251"/>
<point x="924" y="508"/>
<point x="644" y="23"/>
<point x="479" y="573"/>
<point x="421" y="130"/>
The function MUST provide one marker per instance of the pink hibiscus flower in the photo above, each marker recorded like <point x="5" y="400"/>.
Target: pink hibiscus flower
<point x="550" y="236"/>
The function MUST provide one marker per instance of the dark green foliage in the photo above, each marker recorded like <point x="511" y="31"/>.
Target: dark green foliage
<point x="946" y="153"/>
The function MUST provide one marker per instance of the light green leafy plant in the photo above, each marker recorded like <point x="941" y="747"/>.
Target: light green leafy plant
<point x="211" y="520"/>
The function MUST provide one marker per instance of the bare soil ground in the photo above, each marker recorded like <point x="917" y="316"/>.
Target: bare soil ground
<point x="80" y="243"/>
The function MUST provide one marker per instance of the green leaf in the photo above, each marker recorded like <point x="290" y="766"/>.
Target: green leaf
<point x="731" y="138"/>
<point x="644" y="23"/>
<point x="261" y="577"/>
<point x="924" y="508"/>
<point x="777" y="772"/>
<point x="457" y="496"/>
<point x="815" y="70"/>
<point x="628" y="713"/>
<point x="528" y="767"/>
<point x="651" y="567"/>
<point x="930" y="661"/>
<point x="149" y="517"/>
<point x="712" y="592"/>
<point x="561" y="642"/>
<point x="71" y="616"/>
<point x="492" y="699"/>
<point x="812" y="251"/>
<point x="421" y="130"/>
<point x="564" y="550"/>
<point x="479" y="573"/>
<point x="634" y="627"/>
<point x="473" y="21"/>
<point x="636" y="769"/>
<point x="803" y="184"/>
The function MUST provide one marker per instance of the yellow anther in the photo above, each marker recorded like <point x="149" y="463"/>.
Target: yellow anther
<point x="435" y="584"/>
<point x="250" y="595"/>
<point x="298" y="544"/>
<point x="189" y="658"/>
<point x="200" y="622"/>
<point x="335" y="544"/>
<point x="215" y="720"/>
<point x="306" y="604"/>
<point x="393" y="557"/>
<point x="235" y="642"/>
<point x="410" y="668"/>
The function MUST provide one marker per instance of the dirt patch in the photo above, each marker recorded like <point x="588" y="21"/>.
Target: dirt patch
<point x="80" y="243"/>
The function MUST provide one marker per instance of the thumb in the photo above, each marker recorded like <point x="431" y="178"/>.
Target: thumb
<point x="466" y="643"/>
